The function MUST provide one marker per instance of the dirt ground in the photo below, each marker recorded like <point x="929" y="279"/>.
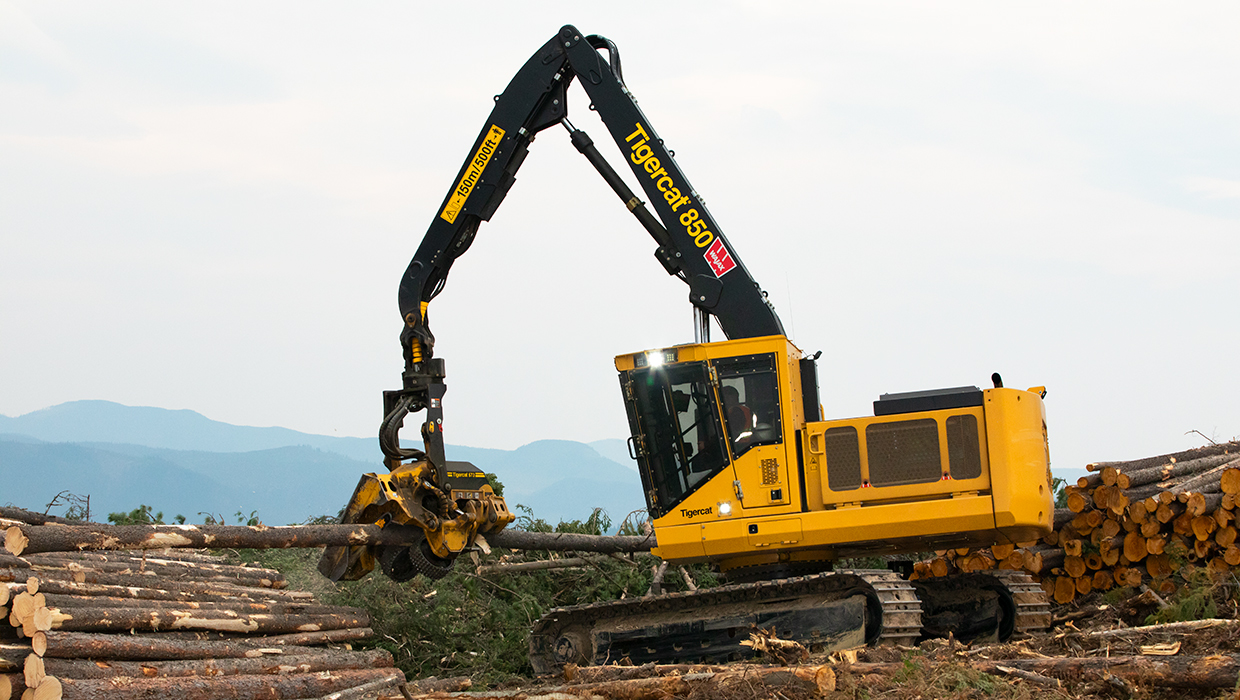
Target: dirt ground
<point x="944" y="668"/>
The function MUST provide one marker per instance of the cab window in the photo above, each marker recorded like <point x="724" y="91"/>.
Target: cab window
<point x="749" y="390"/>
<point x="679" y="422"/>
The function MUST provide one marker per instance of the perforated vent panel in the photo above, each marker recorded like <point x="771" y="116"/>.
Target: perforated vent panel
<point x="904" y="452"/>
<point x="770" y="472"/>
<point x="843" y="459"/>
<point x="963" y="451"/>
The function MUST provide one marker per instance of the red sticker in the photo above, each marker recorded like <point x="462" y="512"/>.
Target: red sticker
<point x="719" y="259"/>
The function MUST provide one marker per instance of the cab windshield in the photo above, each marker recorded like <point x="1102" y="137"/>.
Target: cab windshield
<point x="678" y="423"/>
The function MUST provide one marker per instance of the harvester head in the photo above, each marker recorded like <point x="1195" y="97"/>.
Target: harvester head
<point x="440" y="522"/>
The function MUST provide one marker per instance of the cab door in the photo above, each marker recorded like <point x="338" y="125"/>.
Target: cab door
<point x="749" y="390"/>
<point x="676" y="432"/>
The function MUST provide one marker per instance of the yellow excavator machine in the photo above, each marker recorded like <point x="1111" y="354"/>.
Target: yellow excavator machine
<point x="738" y="465"/>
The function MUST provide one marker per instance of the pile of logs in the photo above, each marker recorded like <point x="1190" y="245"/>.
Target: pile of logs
<point x="173" y="624"/>
<point x="1130" y="524"/>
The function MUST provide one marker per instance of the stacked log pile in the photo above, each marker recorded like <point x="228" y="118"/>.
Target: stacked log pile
<point x="173" y="624"/>
<point x="1132" y="524"/>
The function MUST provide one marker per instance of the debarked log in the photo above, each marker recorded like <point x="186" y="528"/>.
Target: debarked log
<point x="253" y="687"/>
<point x="125" y="619"/>
<point x="325" y="660"/>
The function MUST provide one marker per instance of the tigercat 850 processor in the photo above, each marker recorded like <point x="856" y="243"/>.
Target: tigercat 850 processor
<point x="739" y="467"/>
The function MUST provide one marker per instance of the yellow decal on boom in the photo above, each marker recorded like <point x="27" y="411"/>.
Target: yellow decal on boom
<point x="643" y="155"/>
<point x="472" y="174"/>
<point x="465" y="475"/>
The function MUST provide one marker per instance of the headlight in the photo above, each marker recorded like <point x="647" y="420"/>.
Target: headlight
<point x="655" y="358"/>
<point x="725" y="508"/>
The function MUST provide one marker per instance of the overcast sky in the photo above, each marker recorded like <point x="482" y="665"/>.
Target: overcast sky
<point x="209" y="206"/>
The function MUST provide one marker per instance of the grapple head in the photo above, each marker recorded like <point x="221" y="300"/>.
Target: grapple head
<point x="440" y="522"/>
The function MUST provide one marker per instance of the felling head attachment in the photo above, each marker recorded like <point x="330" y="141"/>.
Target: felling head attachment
<point x="440" y="523"/>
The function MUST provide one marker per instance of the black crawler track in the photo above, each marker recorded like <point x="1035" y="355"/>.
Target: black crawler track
<point x="824" y="611"/>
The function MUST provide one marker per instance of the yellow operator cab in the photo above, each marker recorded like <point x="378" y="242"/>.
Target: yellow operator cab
<point x="738" y="467"/>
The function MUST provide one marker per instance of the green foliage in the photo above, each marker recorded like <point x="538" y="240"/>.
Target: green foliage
<point x="242" y="519"/>
<point x="496" y="485"/>
<point x="1061" y="493"/>
<point x="467" y="624"/>
<point x="1196" y="599"/>
<point x="922" y="677"/>
<point x="142" y="515"/>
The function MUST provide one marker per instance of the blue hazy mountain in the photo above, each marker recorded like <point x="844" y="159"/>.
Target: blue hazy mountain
<point x="181" y="462"/>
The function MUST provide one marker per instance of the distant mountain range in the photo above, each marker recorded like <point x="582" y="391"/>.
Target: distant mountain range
<point x="181" y="462"/>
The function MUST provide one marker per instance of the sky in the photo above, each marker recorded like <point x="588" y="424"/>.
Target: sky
<point x="210" y="205"/>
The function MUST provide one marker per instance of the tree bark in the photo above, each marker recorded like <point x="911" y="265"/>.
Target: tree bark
<point x="126" y="619"/>
<point x="712" y="681"/>
<point x="163" y="555"/>
<point x="69" y="587"/>
<point x="325" y="660"/>
<point x="12" y="656"/>
<point x="142" y="581"/>
<point x="260" y="687"/>
<point x="166" y="569"/>
<point x="124" y="647"/>
<point x="1172" y="458"/>
<point x="542" y="564"/>
<point x="365" y="691"/>
<point x="350" y="634"/>
<point x="1153" y="475"/>
<point x="12" y="685"/>
<point x="238" y="605"/>
<point x="571" y="542"/>
<point x="442" y="685"/>
<point x="32" y="518"/>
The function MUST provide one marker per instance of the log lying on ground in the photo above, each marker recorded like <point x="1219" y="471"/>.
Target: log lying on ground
<point x="33" y="539"/>
<point x="1166" y="628"/>
<point x="162" y="590"/>
<point x="1201" y="672"/>
<point x="165" y="568"/>
<point x="123" y="647"/>
<point x="571" y="542"/>
<point x="1171" y="458"/>
<point x="125" y="619"/>
<point x="539" y="565"/>
<point x="323" y="660"/>
<point x="240" y="605"/>
<point x="253" y="687"/>
<point x="716" y="681"/>
<point x="439" y="685"/>
<point x="32" y="518"/>
<point x="227" y="587"/>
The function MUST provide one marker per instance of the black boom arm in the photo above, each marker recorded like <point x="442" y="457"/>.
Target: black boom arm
<point x="690" y="243"/>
